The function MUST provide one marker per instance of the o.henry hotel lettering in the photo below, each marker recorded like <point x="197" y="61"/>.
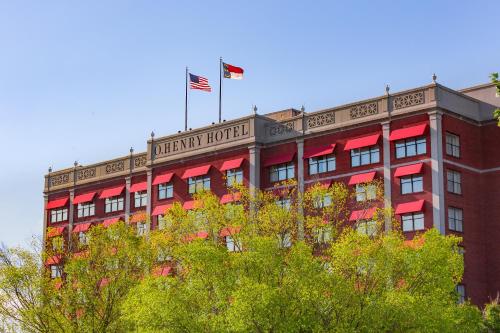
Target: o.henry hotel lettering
<point x="205" y="139"/>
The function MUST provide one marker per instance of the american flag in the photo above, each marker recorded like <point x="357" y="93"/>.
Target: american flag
<point x="199" y="82"/>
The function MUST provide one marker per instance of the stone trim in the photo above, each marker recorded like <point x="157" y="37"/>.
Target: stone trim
<point x="435" y="124"/>
<point x="386" y="127"/>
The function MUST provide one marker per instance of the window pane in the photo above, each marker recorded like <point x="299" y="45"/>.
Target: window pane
<point x="411" y="148"/>
<point x="406" y="186"/>
<point x="407" y="222"/>
<point x="421" y="146"/>
<point x="418" y="221"/>
<point x="418" y="184"/>
<point x="400" y="150"/>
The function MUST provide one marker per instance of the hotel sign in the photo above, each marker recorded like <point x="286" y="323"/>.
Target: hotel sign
<point x="203" y="139"/>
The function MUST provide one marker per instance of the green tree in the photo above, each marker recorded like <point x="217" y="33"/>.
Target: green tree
<point x="496" y="82"/>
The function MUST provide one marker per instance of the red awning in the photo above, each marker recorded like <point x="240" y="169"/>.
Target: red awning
<point x="231" y="164"/>
<point x="228" y="231"/>
<point x="279" y="159"/>
<point x="189" y="205"/>
<point x="410" y="207"/>
<point x="111" y="192"/>
<point x="110" y="221"/>
<point x="162" y="271"/>
<point x="139" y="187"/>
<point x="160" y="210"/>
<point x="362" y="178"/>
<point x="230" y="197"/>
<point x="82" y="198"/>
<point x="318" y="151"/>
<point x="362" y="214"/>
<point x="364" y="141"/>
<point x="54" y="260"/>
<point x="163" y="178"/>
<point x="408" y="132"/>
<point x="53" y="232"/>
<point x="195" y="172"/>
<point x="408" y="170"/>
<point x="57" y="203"/>
<point x="81" y="227"/>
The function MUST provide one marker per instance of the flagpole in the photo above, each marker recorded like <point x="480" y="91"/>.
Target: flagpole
<point x="186" y="104"/>
<point x="220" y="89"/>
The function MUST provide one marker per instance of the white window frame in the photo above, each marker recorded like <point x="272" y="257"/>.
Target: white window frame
<point x="415" y="182"/>
<point x="165" y="191"/>
<point x="367" y="227"/>
<point x="284" y="203"/>
<point x="140" y="199"/>
<point x="58" y="215"/>
<point x="198" y="184"/>
<point x="322" y="164"/>
<point x="365" y="156"/>
<point x="366" y="192"/>
<point x="86" y="209"/>
<point x="141" y="228"/>
<point x="113" y="204"/>
<point x="323" y="201"/>
<point x="83" y="238"/>
<point x="452" y="145"/>
<point x="455" y="219"/>
<point x="234" y="176"/>
<point x="454" y="181"/>
<point x="282" y="172"/>
<point x="55" y="271"/>
<point x="413" y="218"/>
<point x="410" y="147"/>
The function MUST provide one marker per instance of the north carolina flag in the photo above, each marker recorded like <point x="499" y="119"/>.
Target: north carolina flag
<point x="232" y="72"/>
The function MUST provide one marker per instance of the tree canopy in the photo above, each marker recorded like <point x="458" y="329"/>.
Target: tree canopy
<point x="276" y="262"/>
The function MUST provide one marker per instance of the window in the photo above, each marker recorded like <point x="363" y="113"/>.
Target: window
<point x="410" y="147"/>
<point x="412" y="184"/>
<point x="455" y="219"/>
<point x="164" y="221"/>
<point x="452" y="145"/>
<point x="55" y="271"/>
<point x="282" y="172"/>
<point x="82" y="238"/>
<point x="284" y="203"/>
<point x="460" y="288"/>
<point x="323" y="235"/>
<point x="322" y="164"/>
<point x="86" y="209"/>
<point x="58" y="215"/>
<point x="141" y="228"/>
<point x="364" y="156"/>
<point x="233" y="177"/>
<point x="140" y="199"/>
<point x="366" y="227"/>
<point x="413" y="221"/>
<point x="165" y="191"/>
<point x="57" y="244"/>
<point x="232" y="246"/>
<point x="114" y="204"/>
<point x="285" y="240"/>
<point x="366" y="192"/>
<point x="198" y="184"/>
<point x="454" y="182"/>
<point x="322" y="201"/>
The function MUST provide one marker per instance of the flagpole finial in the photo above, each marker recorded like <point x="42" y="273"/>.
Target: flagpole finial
<point x="131" y="150"/>
<point x="152" y="134"/>
<point x="387" y="88"/>
<point x="75" y="164"/>
<point x="302" y="108"/>
<point x="255" y="109"/>
<point x="50" y="169"/>
<point x="434" y="78"/>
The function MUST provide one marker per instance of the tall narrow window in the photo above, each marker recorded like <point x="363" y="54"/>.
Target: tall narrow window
<point x="233" y="177"/>
<point x="410" y="147"/>
<point x="364" y="156"/>
<point x="82" y="238"/>
<point x="58" y="215"/>
<point x="86" y="209"/>
<point x="198" y="184"/>
<point x="55" y="271"/>
<point x="282" y="172"/>
<point x="455" y="219"/>
<point x="165" y="191"/>
<point x="413" y="221"/>
<point x="412" y="184"/>
<point x="454" y="181"/>
<point x="284" y="203"/>
<point x="452" y="145"/>
<point x="460" y="288"/>
<point x="367" y="227"/>
<point x="140" y="199"/>
<point x="113" y="204"/>
<point x="322" y="164"/>
<point x="141" y="228"/>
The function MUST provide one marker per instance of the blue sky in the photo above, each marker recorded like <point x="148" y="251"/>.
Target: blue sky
<point x="87" y="80"/>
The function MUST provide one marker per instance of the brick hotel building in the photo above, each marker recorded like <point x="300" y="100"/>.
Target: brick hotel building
<point x="435" y="149"/>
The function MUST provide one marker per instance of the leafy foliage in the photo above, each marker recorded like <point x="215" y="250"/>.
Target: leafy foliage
<point x="496" y="82"/>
